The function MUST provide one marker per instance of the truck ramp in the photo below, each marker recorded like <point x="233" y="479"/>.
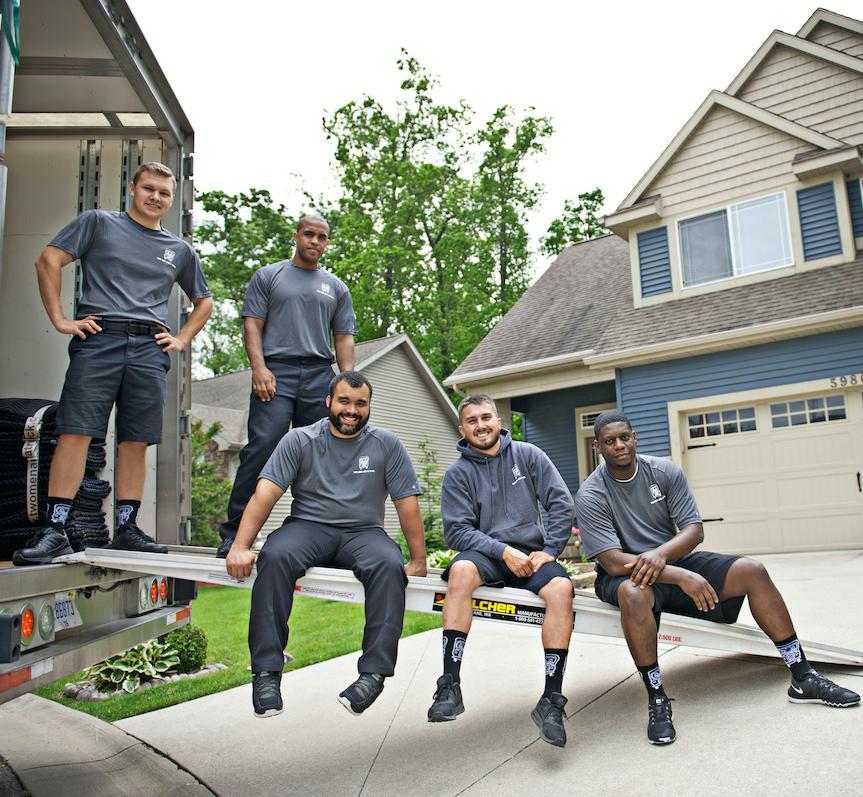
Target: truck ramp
<point x="517" y="607"/>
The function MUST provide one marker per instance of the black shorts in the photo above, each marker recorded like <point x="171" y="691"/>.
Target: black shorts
<point x="114" y="368"/>
<point x="670" y="598"/>
<point x="495" y="573"/>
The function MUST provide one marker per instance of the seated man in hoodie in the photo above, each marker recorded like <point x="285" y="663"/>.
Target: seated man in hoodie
<point x="490" y="513"/>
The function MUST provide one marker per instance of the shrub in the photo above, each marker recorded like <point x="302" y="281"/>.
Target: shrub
<point x="190" y="642"/>
<point x="148" y="660"/>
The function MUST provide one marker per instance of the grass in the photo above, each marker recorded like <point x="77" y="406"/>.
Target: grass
<point x="320" y="630"/>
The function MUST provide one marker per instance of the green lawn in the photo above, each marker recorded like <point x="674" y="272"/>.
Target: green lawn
<point x="320" y="630"/>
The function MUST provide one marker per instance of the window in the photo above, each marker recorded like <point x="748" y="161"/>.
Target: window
<point x="719" y="422"/>
<point x="740" y="239"/>
<point x="821" y="409"/>
<point x="589" y="418"/>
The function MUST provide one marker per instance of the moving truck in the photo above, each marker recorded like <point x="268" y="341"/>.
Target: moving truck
<point x="85" y="105"/>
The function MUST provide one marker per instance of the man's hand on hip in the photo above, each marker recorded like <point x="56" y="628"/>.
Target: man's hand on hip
<point x="239" y="562"/>
<point x="539" y="558"/>
<point x="263" y="383"/>
<point x="79" y="328"/>
<point x="517" y="561"/>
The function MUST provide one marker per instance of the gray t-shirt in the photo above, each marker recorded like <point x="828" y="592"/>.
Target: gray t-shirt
<point x="635" y="515"/>
<point x="341" y="481"/>
<point x="128" y="270"/>
<point x="300" y="307"/>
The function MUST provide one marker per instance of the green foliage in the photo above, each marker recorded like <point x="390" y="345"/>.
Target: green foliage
<point x="149" y="660"/>
<point x="517" y="430"/>
<point x="239" y="234"/>
<point x="579" y="222"/>
<point x="430" y="483"/>
<point x="442" y="558"/>
<point x="210" y="492"/>
<point x="190" y="642"/>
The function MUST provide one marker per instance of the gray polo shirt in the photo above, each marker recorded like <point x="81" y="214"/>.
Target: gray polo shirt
<point x="341" y="481"/>
<point x="635" y="515"/>
<point x="300" y="307"/>
<point x="128" y="270"/>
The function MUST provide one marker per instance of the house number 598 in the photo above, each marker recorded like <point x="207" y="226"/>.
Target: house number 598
<point x="845" y="381"/>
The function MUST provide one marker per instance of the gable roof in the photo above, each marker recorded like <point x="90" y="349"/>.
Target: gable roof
<point x="580" y="309"/>
<point x="832" y="18"/>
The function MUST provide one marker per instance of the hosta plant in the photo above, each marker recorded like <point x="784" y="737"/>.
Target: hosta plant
<point x="147" y="661"/>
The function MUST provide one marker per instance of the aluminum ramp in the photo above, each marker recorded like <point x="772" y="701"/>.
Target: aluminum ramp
<point x="515" y="606"/>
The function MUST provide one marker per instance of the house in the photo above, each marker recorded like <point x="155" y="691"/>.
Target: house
<point x="407" y="400"/>
<point x="724" y="314"/>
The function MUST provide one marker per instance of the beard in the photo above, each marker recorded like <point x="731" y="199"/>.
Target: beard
<point x="345" y="428"/>
<point x="485" y="445"/>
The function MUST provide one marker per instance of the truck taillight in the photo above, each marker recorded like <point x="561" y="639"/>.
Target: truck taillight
<point x="163" y="589"/>
<point x="154" y="592"/>
<point x="28" y="624"/>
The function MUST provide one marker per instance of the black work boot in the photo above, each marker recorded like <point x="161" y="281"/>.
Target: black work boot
<point x="447" y="700"/>
<point x="362" y="692"/>
<point x="267" y="694"/>
<point x="129" y="537"/>
<point x="44" y="545"/>
<point x="548" y="717"/>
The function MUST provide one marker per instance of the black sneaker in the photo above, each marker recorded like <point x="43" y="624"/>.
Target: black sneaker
<point x="130" y="538"/>
<point x="548" y="717"/>
<point x="447" y="700"/>
<point x="224" y="548"/>
<point x="815" y="688"/>
<point x="659" y="727"/>
<point x="362" y="692"/>
<point x="267" y="694"/>
<point x="43" y="546"/>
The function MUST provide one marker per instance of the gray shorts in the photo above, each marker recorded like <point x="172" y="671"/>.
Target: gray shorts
<point x="495" y="573"/>
<point x="115" y="368"/>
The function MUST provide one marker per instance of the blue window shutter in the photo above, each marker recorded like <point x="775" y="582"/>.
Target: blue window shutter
<point x="654" y="262"/>
<point x="855" y="201"/>
<point x="819" y="223"/>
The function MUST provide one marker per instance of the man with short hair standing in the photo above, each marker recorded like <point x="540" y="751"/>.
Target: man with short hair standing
<point x="340" y="471"/>
<point x="638" y="517"/>
<point x="118" y="354"/>
<point x="489" y="502"/>
<point x="291" y="310"/>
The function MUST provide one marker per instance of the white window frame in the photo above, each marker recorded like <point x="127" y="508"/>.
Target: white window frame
<point x="736" y="273"/>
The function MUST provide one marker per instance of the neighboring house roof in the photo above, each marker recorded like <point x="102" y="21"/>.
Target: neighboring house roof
<point x="580" y="307"/>
<point x="220" y="398"/>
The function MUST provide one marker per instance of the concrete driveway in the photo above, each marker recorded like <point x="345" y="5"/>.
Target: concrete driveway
<point x="737" y="733"/>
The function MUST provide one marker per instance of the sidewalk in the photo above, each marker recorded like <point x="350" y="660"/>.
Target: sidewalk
<point x="736" y="730"/>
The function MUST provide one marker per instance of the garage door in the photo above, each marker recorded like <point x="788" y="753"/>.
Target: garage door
<point x="779" y="475"/>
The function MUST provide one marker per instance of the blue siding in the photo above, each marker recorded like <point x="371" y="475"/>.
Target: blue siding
<point x="819" y="223"/>
<point x="646" y="390"/>
<point x="654" y="262"/>
<point x="855" y="202"/>
<point x="549" y="422"/>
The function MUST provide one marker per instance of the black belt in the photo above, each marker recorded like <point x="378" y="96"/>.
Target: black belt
<point x="129" y="327"/>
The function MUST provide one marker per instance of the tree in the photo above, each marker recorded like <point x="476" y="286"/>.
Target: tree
<point x="579" y="222"/>
<point x="239" y="234"/>
<point x="210" y="492"/>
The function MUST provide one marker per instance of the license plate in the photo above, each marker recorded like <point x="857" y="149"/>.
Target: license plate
<point x="66" y="611"/>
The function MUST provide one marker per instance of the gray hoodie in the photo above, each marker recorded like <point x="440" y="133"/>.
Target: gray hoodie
<point x="489" y="502"/>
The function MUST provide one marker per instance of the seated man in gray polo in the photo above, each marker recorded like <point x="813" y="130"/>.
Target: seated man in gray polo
<point x="490" y="505"/>
<point x="340" y="471"/>
<point x="291" y="310"/>
<point x="119" y="352"/>
<point x="638" y="517"/>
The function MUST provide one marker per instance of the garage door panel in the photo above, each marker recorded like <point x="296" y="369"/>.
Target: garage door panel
<point x="821" y="529"/>
<point x="812" y="448"/>
<point x="817" y="489"/>
<point x="725" y="457"/>
<point x="731" y="495"/>
<point x="736" y="536"/>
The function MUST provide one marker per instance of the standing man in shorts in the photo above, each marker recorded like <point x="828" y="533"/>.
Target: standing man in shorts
<point x="291" y="309"/>
<point x="340" y="472"/>
<point x="489" y="502"/>
<point x="118" y="354"/>
<point x="639" y="520"/>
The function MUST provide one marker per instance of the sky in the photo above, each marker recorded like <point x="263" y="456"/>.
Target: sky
<point x="618" y="79"/>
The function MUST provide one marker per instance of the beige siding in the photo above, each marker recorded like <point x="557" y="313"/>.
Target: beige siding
<point x="404" y="404"/>
<point x="809" y="91"/>
<point x="839" y="39"/>
<point x="727" y="155"/>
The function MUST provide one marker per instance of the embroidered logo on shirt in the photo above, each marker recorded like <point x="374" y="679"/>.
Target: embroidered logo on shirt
<point x="516" y="474"/>
<point x="326" y="289"/>
<point x="655" y="493"/>
<point x="168" y="257"/>
<point x="363" y="465"/>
